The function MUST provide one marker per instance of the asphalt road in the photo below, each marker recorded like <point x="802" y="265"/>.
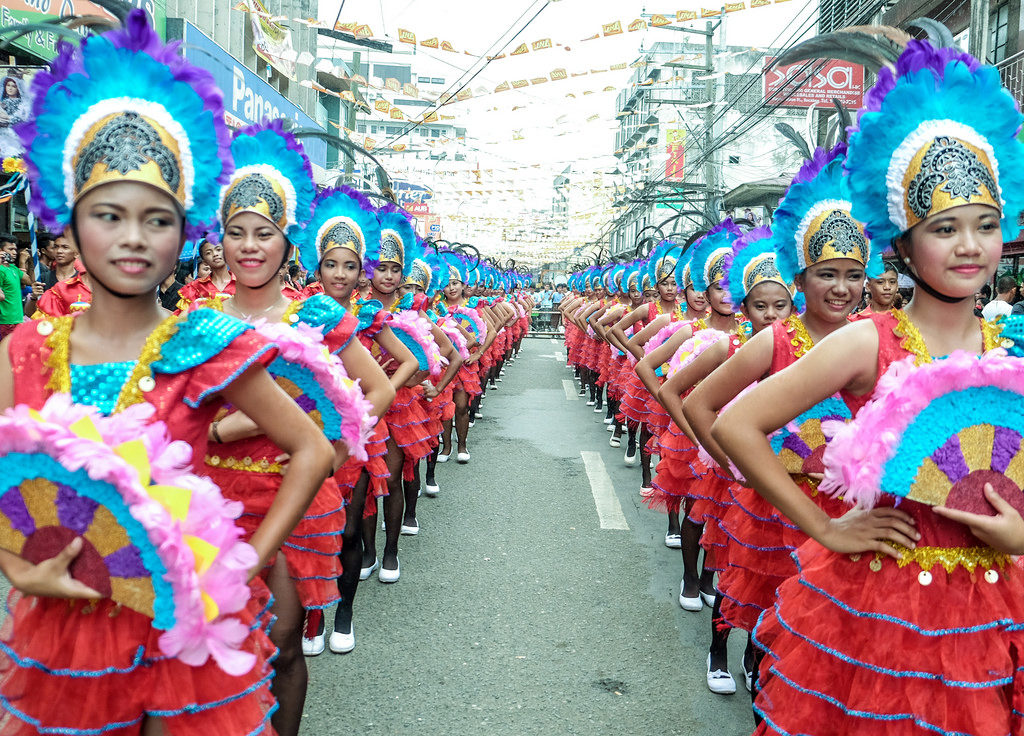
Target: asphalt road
<point x="517" y="614"/>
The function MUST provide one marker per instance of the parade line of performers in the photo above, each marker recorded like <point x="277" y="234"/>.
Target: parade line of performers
<point x="844" y="487"/>
<point x="189" y="494"/>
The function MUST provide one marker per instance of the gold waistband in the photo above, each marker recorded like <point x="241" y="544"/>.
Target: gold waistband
<point x="246" y="464"/>
<point x="969" y="558"/>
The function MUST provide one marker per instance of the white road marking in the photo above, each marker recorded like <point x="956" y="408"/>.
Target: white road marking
<point x="556" y="342"/>
<point x="608" y="509"/>
<point x="556" y="356"/>
<point x="570" y="389"/>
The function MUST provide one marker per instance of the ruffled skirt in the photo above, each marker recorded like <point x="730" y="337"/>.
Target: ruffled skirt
<point x="376" y="466"/>
<point x="311" y="550"/>
<point x="74" y="667"/>
<point x="858" y="647"/>
<point x="677" y="470"/>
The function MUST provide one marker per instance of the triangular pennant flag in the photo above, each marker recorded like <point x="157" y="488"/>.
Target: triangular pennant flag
<point x="611" y="29"/>
<point x="521" y="49"/>
<point x="405" y="36"/>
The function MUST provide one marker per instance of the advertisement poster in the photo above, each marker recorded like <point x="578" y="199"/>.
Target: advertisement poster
<point x="810" y="84"/>
<point x="15" y="106"/>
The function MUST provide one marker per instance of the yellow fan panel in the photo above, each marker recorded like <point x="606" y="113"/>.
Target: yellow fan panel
<point x="931" y="485"/>
<point x="134" y="593"/>
<point x="10" y="538"/>
<point x="811" y="434"/>
<point x="41" y="500"/>
<point x="1015" y="470"/>
<point x="105" y="533"/>
<point x="792" y="462"/>
<point x="976" y="446"/>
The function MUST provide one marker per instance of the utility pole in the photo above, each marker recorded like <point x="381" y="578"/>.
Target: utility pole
<point x="350" y="113"/>
<point x="709" y="118"/>
<point x="977" y="39"/>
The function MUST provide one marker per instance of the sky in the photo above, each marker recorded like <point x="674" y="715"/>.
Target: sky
<point x="515" y="131"/>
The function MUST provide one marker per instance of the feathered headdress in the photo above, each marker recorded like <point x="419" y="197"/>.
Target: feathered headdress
<point x="124" y="106"/>
<point x="273" y="178"/>
<point x="342" y="218"/>
<point x="708" y="254"/>
<point x="938" y="132"/>
<point x="813" y="221"/>
<point x="419" y="273"/>
<point x="751" y="262"/>
<point x="440" y="274"/>
<point x="663" y="259"/>
<point x="631" y="278"/>
<point x="457" y="267"/>
<point x="396" y="238"/>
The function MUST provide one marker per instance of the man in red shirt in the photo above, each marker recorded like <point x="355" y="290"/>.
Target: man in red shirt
<point x="220" y="282"/>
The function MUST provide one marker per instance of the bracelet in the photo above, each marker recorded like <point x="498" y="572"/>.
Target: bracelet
<point x="214" y="434"/>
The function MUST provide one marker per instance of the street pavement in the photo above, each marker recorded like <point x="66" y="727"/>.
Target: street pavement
<point x="517" y="613"/>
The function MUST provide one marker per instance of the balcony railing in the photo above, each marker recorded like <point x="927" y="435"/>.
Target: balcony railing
<point x="1011" y="71"/>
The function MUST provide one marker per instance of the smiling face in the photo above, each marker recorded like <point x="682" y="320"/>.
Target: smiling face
<point x="339" y="272"/>
<point x="956" y="251"/>
<point x="386" y="277"/>
<point x="766" y="303"/>
<point x="832" y="288"/>
<point x="696" y="300"/>
<point x="453" y="291"/>
<point x="717" y="298"/>
<point x="254" y="249"/>
<point x="129" y="236"/>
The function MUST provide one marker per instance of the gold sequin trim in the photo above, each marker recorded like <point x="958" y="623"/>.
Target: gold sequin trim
<point x="911" y="339"/>
<point x="801" y="340"/>
<point x="992" y="336"/>
<point x="969" y="558"/>
<point x="58" y="342"/>
<point x="246" y="464"/>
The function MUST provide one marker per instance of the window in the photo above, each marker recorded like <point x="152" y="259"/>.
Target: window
<point x="437" y="80"/>
<point x="998" y="25"/>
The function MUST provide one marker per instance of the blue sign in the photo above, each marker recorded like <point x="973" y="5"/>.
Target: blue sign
<point x="247" y="98"/>
<point x="435" y="227"/>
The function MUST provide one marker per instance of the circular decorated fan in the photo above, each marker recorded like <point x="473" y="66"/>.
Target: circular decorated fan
<point x="317" y="382"/>
<point x="414" y="332"/>
<point x="935" y="434"/>
<point x="156" y="538"/>
<point x="801" y="444"/>
<point x="472" y="323"/>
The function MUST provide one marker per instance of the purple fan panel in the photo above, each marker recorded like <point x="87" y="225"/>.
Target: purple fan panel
<point x="795" y="444"/>
<point x="126" y="563"/>
<point x="305" y="403"/>
<point x="74" y="511"/>
<point x="950" y="460"/>
<point x="12" y="505"/>
<point x="1005" y="446"/>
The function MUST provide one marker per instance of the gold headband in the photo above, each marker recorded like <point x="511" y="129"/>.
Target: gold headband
<point x="260" y="189"/>
<point x="762" y="269"/>
<point x="829" y="232"/>
<point x="392" y="249"/>
<point x="947" y="172"/>
<point x="129" y="146"/>
<point x="419" y="274"/>
<point x="341" y="232"/>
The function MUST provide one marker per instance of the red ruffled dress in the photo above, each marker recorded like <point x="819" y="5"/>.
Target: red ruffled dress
<point x="760" y="539"/>
<point x="371" y="317"/>
<point x="80" y="667"/>
<point x="858" y="644"/>
<point x="634" y="394"/>
<point x="468" y="377"/>
<point x="248" y="471"/>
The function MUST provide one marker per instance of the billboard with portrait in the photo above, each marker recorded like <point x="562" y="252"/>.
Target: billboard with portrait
<point x="15" y="106"/>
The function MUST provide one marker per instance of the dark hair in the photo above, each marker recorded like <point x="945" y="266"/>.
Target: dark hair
<point x="7" y="238"/>
<point x="293" y="270"/>
<point x="1005" y="283"/>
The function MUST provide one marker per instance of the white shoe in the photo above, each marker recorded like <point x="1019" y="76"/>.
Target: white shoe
<point x="431" y="490"/>
<point x="343" y="643"/>
<point x="389" y="576"/>
<point x="472" y="424"/>
<point x="646" y="491"/>
<point x="583" y="392"/>
<point x="366" y="572"/>
<point x="444" y="458"/>
<point x="630" y="460"/>
<point x="720" y="681"/>
<point x="610" y="427"/>
<point x="313" y="647"/>
<point x="462" y="458"/>
<point x="688" y="604"/>
<point x="748" y="680"/>
<point x="709" y="600"/>
<point x="674" y="541"/>
<point x="614" y="441"/>
<point x="609" y="420"/>
<point x="410" y="530"/>
<point x="598" y="409"/>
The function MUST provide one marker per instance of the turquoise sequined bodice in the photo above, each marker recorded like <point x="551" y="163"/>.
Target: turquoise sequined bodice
<point x="99" y="385"/>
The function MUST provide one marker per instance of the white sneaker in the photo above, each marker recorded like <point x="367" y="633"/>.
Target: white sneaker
<point x="343" y="643"/>
<point x="366" y="572"/>
<point x="431" y="490"/>
<point x="313" y="647"/>
<point x="389" y="576"/>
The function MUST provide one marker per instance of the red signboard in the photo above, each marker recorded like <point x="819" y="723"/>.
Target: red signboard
<point x="805" y="84"/>
<point x="418" y="208"/>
